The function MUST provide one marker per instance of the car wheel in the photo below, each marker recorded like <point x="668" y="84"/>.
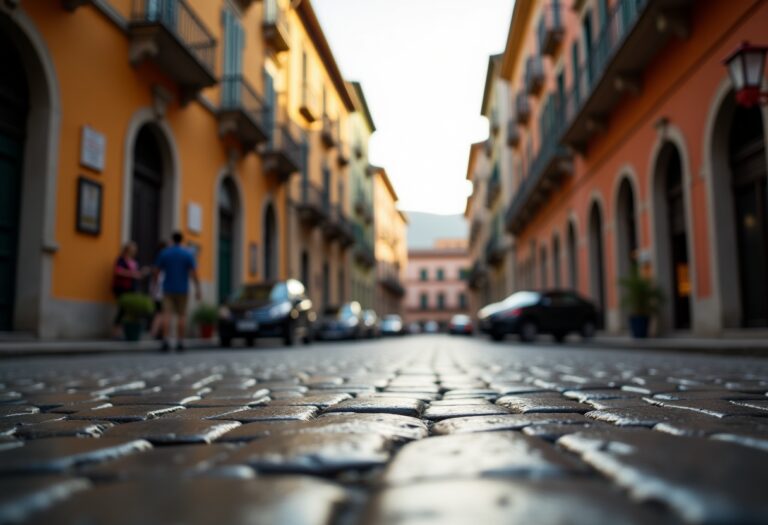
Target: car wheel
<point x="225" y="342"/>
<point x="528" y="331"/>
<point x="250" y="341"/>
<point x="290" y="334"/>
<point x="497" y="334"/>
<point x="559" y="337"/>
<point x="588" y="330"/>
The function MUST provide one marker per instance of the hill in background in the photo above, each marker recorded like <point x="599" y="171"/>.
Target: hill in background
<point x="425" y="228"/>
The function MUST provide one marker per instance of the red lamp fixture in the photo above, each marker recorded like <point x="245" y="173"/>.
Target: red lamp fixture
<point x="745" y="67"/>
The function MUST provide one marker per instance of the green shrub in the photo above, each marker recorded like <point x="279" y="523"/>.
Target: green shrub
<point x="205" y="314"/>
<point x="640" y="296"/>
<point x="136" y="306"/>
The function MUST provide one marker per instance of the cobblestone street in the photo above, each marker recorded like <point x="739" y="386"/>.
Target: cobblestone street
<point x="424" y="429"/>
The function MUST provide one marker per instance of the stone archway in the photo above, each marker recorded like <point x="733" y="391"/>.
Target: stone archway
<point x="597" y="261"/>
<point x="626" y="228"/>
<point x="32" y="308"/>
<point x="228" y="211"/>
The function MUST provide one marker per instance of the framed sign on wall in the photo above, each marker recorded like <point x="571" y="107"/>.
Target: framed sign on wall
<point x="88" y="206"/>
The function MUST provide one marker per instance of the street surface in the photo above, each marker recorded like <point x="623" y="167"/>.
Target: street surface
<point x="414" y="430"/>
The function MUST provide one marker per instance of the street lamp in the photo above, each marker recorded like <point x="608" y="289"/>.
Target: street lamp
<point x="745" y="67"/>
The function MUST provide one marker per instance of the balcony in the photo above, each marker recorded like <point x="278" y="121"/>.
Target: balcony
<point x="309" y="105"/>
<point x="312" y="207"/>
<point x="495" y="250"/>
<point x="389" y="279"/>
<point x="337" y="226"/>
<point x="635" y="32"/>
<point x="281" y="154"/>
<point x="494" y="188"/>
<point x="363" y="207"/>
<point x="522" y="108"/>
<point x="242" y="113"/>
<point x="534" y="75"/>
<point x="342" y="153"/>
<point x="551" y="28"/>
<point x="363" y="252"/>
<point x="275" y="28"/>
<point x="478" y="275"/>
<point x="513" y="134"/>
<point x="170" y="34"/>
<point x="552" y="163"/>
<point x="493" y="122"/>
<point x="329" y="133"/>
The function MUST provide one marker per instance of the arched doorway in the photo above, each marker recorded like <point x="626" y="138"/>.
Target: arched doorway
<point x="147" y="197"/>
<point x="671" y="233"/>
<point x="573" y="259"/>
<point x="556" y="271"/>
<point x="14" y="106"/>
<point x="227" y="238"/>
<point x="626" y="228"/>
<point x="270" y="244"/>
<point x="748" y="179"/>
<point x="597" y="260"/>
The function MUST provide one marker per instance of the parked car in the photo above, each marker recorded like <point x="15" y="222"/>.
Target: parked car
<point x="529" y="313"/>
<point x="460" y="325"/>
<point x="341" y="322"/>
<point x="269" y="309"/>
<point x="414" y="328"/>
<point x="431" y="327"/>
<point x="392" y="324"/>
<point x="371" y="327"/>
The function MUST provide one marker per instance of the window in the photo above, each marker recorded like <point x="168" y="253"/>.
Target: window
<point x="440" y="274"/>
<point x="464" y="274"/>
<point x="462" y="301"/>
<point x="424" y="301"/>
<point x="423" y="274"/>
<point x="441" y="301"/>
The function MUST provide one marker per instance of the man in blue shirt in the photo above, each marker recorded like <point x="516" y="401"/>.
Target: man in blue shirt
<point x="177" y="266"/>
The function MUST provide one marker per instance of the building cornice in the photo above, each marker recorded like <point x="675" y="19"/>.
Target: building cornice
<point x="517" y="28"/>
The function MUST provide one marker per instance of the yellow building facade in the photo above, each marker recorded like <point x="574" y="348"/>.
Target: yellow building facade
<point x="390" y="245"/>
<point x="126" y="120"/>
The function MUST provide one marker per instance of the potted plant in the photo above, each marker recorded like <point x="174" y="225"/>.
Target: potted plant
<point x="136" y="307"/>
<point x="205" y="316"/>
<point x="641" y="299"/>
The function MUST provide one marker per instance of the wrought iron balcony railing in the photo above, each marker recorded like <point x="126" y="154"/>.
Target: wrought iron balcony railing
<point x="275" y="27"/>
<point x="551" y="30"/>
<point x="242" y="112"/>
<point x="313" y="204"/>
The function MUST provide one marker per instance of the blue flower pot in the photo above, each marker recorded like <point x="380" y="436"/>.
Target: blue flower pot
<point x="638" y="326"/>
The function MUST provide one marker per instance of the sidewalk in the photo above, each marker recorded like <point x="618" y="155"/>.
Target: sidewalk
<point x="32" y="347"/>
<point x="752" y="346"/>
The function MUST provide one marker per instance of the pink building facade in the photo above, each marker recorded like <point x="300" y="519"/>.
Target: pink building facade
<point x="436" y="285"/>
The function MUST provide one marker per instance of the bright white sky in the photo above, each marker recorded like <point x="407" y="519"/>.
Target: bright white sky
<point x="422" y="64"/>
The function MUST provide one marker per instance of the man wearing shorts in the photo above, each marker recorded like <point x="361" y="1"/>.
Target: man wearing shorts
<point x="178" y="266"/>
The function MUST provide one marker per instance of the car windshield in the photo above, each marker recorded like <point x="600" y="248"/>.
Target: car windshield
<point x="261" y="293"/>
<point x="520" y="299"/>
<point x="391" y="318"/>
<point x="460" y="319"/>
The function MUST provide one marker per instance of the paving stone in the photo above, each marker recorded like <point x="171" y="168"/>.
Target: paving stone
<point x="640" y="416"/>
<point x="475" y="455"/>
<point x="438" y="413"/>
<point x="160" y="462"/>
<point x="125" y="413"/>
<point x="237" y="393"/>
<point x="259" y="430"/>
<point x="554" y="431"/>
<point x="21" y="497"/>
<point x="747" y="438"/>
<point x="62" y="428"/>
<point x="313" y="453"/>
<point x="541" y="403"/>
<point x="272" y="413"/>
<point x="229" y="402"/>
<point x="463" y="425"/>
<point x="277" y="386"/>
<point x="461" y="402"/>
<point x="161" y="398"/>
<point x="493" y="501"/>
<point x="204" y="413"/>
<point x="753" y="386"/>
<point x="203" y="501"/>
<point x="317" y="400"/>
<point x="600" y="394"/>
<point x="402" y="406"/>
<point x="714" y="407"/>
<point x="163" y="431"/>
<point x="49" y="401"/>
<point x="421" y="396"/>
<point x="72" y="408"/>
<point x="17" y="410"/>
<point x="61" y="453"/>
<point x="705" y="394"/>
<point x="505" y="389"/>
<point x="759" y="404"/>
<point x="680" y="477"/>
<point x="416" y="389"/>
<point x="606" y="404"/>
<point x="9" y="425"/>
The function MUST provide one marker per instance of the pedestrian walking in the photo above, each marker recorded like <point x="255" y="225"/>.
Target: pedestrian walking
<point x="177" y="265"/>
<point x="125" y="279"/>
<point x="156" y="291"/>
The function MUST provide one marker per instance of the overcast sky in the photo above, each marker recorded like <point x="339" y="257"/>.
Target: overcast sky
<point x="422" y="65"/>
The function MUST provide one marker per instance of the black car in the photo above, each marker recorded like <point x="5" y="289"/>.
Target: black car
<point x="271" y="309"/>
<point x="528" y="314"/>
<point x="341" y="322"/>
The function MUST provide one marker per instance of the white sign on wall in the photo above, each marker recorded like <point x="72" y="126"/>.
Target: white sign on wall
<point x="93" y="147"/>
<point x="194" y="217"/>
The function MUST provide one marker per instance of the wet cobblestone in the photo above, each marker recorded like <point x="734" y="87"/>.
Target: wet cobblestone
<point x="423" y="430"/>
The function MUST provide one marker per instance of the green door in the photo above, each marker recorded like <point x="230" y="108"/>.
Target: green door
<point x="225" y="267"/>
<point x="10" y="186"/>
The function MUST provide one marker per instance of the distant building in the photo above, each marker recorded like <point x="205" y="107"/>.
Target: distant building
<point x="390" y="245"/>
<point x="436" y="284"/>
